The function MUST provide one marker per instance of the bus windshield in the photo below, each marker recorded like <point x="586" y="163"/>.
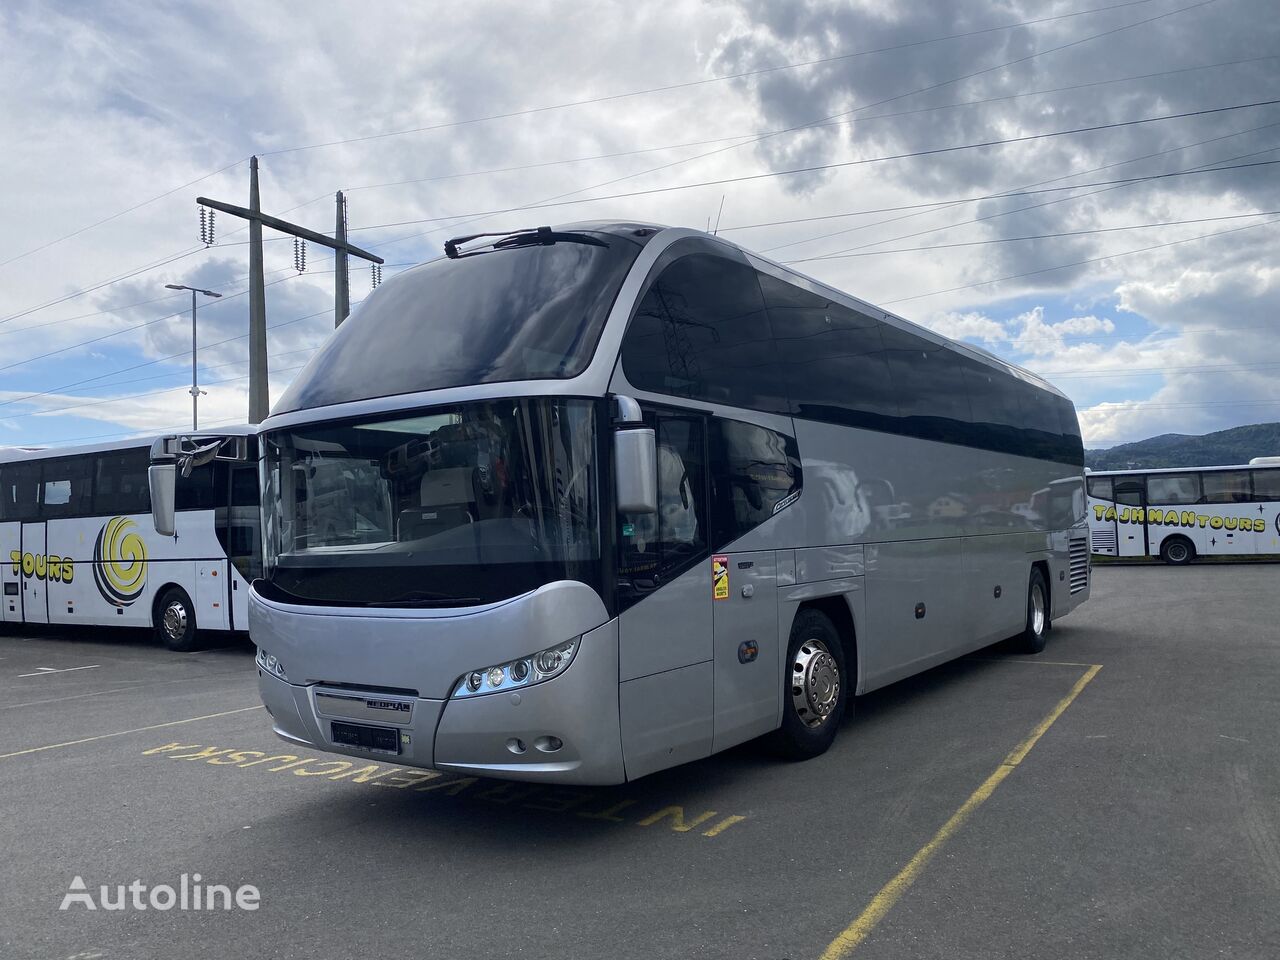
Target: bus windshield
<point x="449" y="506"/>
<point x="517" y="313"/>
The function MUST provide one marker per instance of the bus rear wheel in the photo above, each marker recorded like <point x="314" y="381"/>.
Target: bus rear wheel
<point x="174" y="620"/>
<point x="816" y="688"/>
<point x="1035" y="634"/>
<point x="1178" y="551"/>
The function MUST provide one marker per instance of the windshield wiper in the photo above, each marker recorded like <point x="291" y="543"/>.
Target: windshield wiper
<point x="539" y="237"/>
<point x="425" y="598"/>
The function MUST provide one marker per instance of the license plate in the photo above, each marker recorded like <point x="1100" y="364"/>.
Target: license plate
<point x="373" y="739"/>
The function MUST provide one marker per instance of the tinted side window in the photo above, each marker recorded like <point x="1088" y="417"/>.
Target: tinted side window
<point x="1042" y="427"/>
<point x="1227" y="486"/>
<point x="1131" y="491"/>
<point x="1072" y="443"/>
<point x="66" y="486"/>
<point x="929" y="382"/>
<point x="753" y="469"/>
<point x="198" y="491"/>
<point x="1266" y="484"/>
<point x="701" y="331"/>
<point x="832" y="357"/>
<point x="120" y="483"/>
<point x="1170" y="489"/>
<point x="20" y="491"/>
<point x="1100" y="488"/>
<point x="654" y="548"/>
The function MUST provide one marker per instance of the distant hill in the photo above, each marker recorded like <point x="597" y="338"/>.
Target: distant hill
<point x="1237" y="445"/>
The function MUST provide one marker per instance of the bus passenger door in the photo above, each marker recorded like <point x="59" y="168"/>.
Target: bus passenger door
<point x="11" y="572"/>
<point x="746" y="640"/>
<point x="665" y="656"/>
<point x="1131" y="538"/>
<point x="35" y="600"/>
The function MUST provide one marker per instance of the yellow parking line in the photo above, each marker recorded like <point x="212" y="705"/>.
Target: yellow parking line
<point x="122" y="733"/>
<point x="1047" y="663"/>
<point x="892" y="891"/>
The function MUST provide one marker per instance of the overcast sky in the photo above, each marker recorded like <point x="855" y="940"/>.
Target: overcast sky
<point x="109" y="105"/>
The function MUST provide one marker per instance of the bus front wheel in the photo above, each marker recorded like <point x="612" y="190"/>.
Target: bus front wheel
<point x="1177" y="551"/>
<point x="816" y="688"/>
<point x="1036" y="632"/>
<point x="174" y="620"/>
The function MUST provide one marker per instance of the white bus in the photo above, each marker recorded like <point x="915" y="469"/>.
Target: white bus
<point x="627" y="495"/>
<point x="1182" y="513"/>
<point x="77" y="544"/>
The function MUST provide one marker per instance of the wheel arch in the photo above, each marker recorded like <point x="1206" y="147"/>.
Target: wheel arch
<point x="159" y="595"/>
<point x="1191" y="544"/>
<point x="1043" y="567"/>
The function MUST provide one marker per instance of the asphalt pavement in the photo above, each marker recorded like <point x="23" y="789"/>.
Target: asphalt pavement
<point x="1117" y="796"/>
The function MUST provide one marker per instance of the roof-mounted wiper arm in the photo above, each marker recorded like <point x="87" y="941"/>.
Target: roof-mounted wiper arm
<point x="542" y="237"/>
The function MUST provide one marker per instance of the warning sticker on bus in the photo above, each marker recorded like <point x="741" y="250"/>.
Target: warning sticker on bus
<point x="720" y="577"/>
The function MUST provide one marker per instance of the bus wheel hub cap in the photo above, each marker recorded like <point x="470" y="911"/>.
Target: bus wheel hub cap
<point x="815" y="683"/>
<point x="175" y="620"/>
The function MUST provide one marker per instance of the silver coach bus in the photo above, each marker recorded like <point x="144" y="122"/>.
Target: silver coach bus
<point x="621" y="496"/>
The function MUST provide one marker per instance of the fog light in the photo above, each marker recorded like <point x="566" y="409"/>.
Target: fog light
<point x="496" y="676"/>
<point x="473" y="681"/>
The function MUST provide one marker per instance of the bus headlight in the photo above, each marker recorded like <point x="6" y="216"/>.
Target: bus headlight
<point x="513" y="675"/>
<point x="270" y="664"/>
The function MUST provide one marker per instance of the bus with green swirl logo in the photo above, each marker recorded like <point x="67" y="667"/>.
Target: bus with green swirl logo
<point x="78" y="546"/>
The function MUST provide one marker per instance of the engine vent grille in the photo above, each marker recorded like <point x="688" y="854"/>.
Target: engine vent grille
<point x="1079" y="565"/>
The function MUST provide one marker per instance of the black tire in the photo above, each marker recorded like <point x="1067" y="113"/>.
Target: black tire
<point x="177" y="632"/>
<point x="1035" y="634"/>
<point x="815" y="654"/>
<point x="1177" y="551"/>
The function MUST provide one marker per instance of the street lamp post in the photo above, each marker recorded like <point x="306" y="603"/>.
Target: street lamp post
<point x="195" y="390"/>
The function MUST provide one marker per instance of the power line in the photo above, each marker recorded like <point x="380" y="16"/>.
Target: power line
<point x="116" y="216"/>
<point x="925" y="89"/>
<point x="889" y="209"/>
<point x="829" y="123"/>
<point x="1079" y="263"/>
<point x="560" y="106"/>
<point x="1103" y="188"/>
<point x="556" y="200"/>
<point x="1037" y="236"/>
<point x="150" y="363"/>
<point x="136" y="396"/>
<point x="692" y="83"/>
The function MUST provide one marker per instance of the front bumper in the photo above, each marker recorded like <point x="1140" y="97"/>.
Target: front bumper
<point x="477" y="735"/>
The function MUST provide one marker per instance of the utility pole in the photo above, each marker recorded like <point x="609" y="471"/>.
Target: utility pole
<point x="259" y="402"/>
<point x="195" y="389"/>
<point x="341" y="296"/>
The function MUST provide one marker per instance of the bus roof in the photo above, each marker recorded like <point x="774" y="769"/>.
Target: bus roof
<point x="21" y="454"/>
<point x="1225" y="466"/>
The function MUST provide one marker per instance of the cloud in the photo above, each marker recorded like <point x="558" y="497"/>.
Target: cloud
<point x="121" y="102"/>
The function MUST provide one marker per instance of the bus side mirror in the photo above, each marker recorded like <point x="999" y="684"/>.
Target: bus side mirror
<point x="635" y="467"/>
<point x="163" y="479"/>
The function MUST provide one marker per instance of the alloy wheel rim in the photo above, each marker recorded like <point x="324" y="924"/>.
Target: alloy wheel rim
<point x="815" y="683"/>
<point x="175" y="620"/>
<point x="1037" y="610"/>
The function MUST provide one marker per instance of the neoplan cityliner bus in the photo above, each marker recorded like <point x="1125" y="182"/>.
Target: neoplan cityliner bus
<point x="76" y="545"/>
<point x="628" y="495"/>
<point x="1184" y="513"/>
